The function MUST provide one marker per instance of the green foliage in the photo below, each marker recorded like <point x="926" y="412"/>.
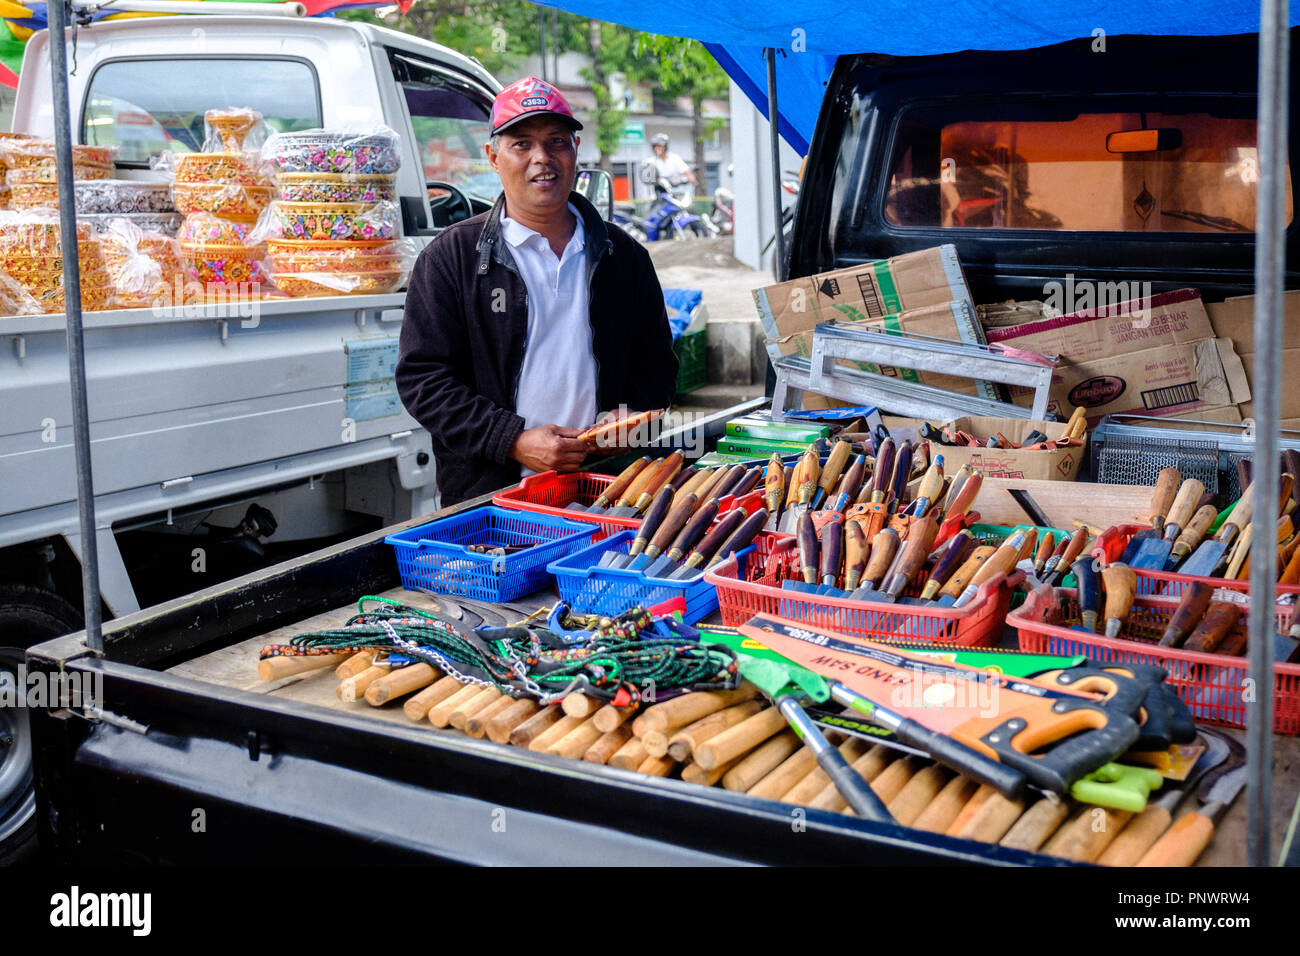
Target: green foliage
<point x="683" y="67"/>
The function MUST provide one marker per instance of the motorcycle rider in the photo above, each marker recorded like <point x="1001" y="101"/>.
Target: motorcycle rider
<point x="673" y="169"/>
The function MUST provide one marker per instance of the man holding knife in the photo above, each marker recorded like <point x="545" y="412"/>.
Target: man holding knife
<point x="524" y="323"/>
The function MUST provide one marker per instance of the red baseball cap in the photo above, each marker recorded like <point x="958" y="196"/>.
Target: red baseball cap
<point x="531" y="96"/>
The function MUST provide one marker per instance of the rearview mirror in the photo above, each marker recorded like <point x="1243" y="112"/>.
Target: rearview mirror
<point x="597" y="186"/>
<point x="1144" y="140"/>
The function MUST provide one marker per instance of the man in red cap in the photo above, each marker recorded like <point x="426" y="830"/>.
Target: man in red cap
<point x="526" y="323"/>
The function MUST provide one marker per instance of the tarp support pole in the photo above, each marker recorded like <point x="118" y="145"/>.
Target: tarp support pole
<point x="1270" y="272"/>
<point x="58" y="18"/>
<point x="774" y="137"/>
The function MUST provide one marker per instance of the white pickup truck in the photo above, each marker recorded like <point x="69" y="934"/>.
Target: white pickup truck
<point x="197" y="415"/>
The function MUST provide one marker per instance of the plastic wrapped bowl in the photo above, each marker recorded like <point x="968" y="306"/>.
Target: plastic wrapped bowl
<point x="26" y="175"/>
<point x="168" y="223"/>
<point x="336" y="187"/>
<point x="204" y="228"/>
<point x="338" y="283"/>
<point x="240" y="168"/>
<point x="228" y="200"/>
<point x="326" y="151"/>
<point x="212" y="264"/>
<point x="335" y="221"/>
<point x="298" y="255"/>
<point x="22" y="153"/>
<point x="123" y="196"/>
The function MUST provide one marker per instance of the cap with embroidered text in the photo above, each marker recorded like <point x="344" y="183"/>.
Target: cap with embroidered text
<point x="527" y="98"/>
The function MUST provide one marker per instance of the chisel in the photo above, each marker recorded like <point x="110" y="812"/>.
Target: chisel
<point x="807" y="472"/>
<point x="1192" y="535"/>
<point x="835" y="465"/>
<point x="729" y="482"/>
<point x="930" y="488"/>
<point x="1002" y="561"/>
<point x="1153" y="553"/>
<point x="1089" y="592"/>
<point x="850" y="485"/>
<point x="739" y="538"/>
<point x="614" y="488"/>
<point x="883" y="549"/>
<point x="1047" y="546"/>
<point x="669" y="527"/>
<point x="1162" y="498"/>
<point x="806" y="543"/>
<point x="1205" y="560"/>
<point x="1183" y="842"/>
<point x="649" y="525"/>
<point x="884" y="471"/>
<point x="686" y="539"/>
<point x="902" y="473"/>
<point x="1219" y="619"/>
<point x="955" y="554"/>
<point x="1192" y="605"/>
<point x="911" y="558"/>
<point x="774" y="490"/>
<point x="1054" y="572"/>
<point x="855" y="554"/>
<point x="1120" y="584"/>
<point x="692" y="486"/>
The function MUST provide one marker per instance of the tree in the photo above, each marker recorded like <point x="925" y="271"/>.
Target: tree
<point x="683" y="67"/>
<point x="497" y="33"/>
<point x="613" y="49"/>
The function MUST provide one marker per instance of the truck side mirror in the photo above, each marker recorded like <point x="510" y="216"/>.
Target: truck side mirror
<point x="597" y="186"/>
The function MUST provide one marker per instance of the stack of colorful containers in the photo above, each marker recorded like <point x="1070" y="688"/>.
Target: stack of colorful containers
<point x="32" y="176"/>
<point x="334" y="229"/>
<point x="31" y="253"/>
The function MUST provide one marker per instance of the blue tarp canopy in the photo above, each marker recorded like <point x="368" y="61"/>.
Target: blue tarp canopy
<point x="810" y="34"/>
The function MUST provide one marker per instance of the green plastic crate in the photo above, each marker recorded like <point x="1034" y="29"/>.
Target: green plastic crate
<point x="692" y="361"/>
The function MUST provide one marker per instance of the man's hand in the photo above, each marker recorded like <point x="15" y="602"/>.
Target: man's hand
<point x="549" y="447"/>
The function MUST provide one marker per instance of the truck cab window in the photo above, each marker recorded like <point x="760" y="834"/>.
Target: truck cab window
<point x="1047" y="168"/>
<point x="148" y="106"/>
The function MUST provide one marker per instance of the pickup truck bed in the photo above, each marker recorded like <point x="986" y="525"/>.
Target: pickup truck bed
<point x="285" y="771"/>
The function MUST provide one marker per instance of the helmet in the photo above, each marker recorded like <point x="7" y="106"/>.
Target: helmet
<point x="659" y="139"/>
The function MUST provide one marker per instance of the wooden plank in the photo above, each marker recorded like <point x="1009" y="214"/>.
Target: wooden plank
<point x="1063" y="502"/>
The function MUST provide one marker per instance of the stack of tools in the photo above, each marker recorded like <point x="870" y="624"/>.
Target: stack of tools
<point x="1188" y="539"/>
<point x="1035" y="440"/>
<point x="667" y="557"/>
<point x="1200" y="637"/>
<point x="732" y="733"/>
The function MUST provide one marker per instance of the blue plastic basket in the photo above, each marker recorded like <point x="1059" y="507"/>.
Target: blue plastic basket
<point x="589" y="589"/>
<point x="433" y="556"/>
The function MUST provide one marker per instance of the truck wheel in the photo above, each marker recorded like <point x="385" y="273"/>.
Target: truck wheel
<point x="17" y="790"/>
<point x="28" y="615"/>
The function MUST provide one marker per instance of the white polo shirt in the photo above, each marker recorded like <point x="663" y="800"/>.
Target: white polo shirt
<point x="557" y="385"/>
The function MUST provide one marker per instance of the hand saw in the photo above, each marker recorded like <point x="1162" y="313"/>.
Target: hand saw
<point x="1050" y="731"/>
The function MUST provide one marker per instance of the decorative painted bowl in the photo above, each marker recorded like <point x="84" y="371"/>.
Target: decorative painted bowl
<point x="340" y="283"/>
<point x="93" y="299"/>
<point x="228" y="200"/>
<point x="335" y="221"/>
<point x="167" y="223"/>
<point x="336" y="187"/>
<point x="216" y="264"/>
<point x="203" y="228"/>
<point x="25" y="175"/>
<point x="20" y="153"/>
<point x="298" y="255"/>
<point x="34" y="196"/>
<point x="36" y="238"/>
<point x="321" y="151"/>
<point x="219" y="168"/>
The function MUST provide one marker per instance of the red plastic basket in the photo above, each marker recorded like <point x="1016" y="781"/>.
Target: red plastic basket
<point x="978" y="624"/>
<point x="1212" y="685"/>
<point x="1112" y="542"/>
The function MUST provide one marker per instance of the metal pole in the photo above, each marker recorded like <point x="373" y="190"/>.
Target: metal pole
<point x="57" y="17"/>
<point x="774" y="135"/>
<point x="1270" y="266"/>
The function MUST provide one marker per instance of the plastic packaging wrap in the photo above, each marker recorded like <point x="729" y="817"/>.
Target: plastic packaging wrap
<point x="22" y="153"/>
<point x="233" y="129"/>
<point x="15" y="300"/>
<point x="361" y="152"/>
<point x="31" y="175"/>
<point x="229" y="200"/>
<point x="165" y="223"/>
<point x="307" y="268"/>
<point x="329" y="221"/>
<point x="123" y="196"/>
<point x="216" y="251"/>
<point x="31" y="253"/>
<point x="336" y="187"/>
<point x="144" y="267"/>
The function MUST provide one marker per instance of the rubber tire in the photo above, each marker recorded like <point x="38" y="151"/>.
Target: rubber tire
<point x="28" y="615"/>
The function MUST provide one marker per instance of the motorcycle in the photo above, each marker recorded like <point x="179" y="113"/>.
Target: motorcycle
<point x="666" y="218"/>
<point x="625" y="218"/>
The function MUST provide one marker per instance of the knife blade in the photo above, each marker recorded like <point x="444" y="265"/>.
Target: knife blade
<point x="649" y="525"/>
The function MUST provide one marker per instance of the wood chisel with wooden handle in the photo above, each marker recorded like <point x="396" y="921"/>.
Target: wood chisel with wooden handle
<point x="664" y="535"/>
<point x="689" y="536"/>
<point x="885" y="456"/>
<point x="774" y="490"/>
<point x="958" y="550"/>
<point x="1162" y="498"/>
<point x="855" y="554"/>
<point x="1205" y="560"/>
<point x="1183" y="842"/>
<point x="654" y="516"/>
<point x="615" y="488"/>
<point x="1120" y="584"/>
<point x="738" y="539"/>
<point x="1153" y="552"/>
<point x="910" y="560"/>
<point x="850" y="485"/>
<point x="624" y="504"/>
<point x="809" y="470"/>
<point x="1047" y="546"/>
<point x="1219" y="619"/>
<point x="1192" y="605"/>
<point x="715" y="536"/>
<point x="836" y="462"/>
<point x="663" y="475"/>
<point x="898" y="481"/>
<point x="883" y="549"/>
<point x="1055" y="571"/>
<point x="1192" y="535"/>
<point x="1088" y="593"/>
<point x="930" y="488"/>
<point x="698" y="477"/>
<point x="1002" y="561"/>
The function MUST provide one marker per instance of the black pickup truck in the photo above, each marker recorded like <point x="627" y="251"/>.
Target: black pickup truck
<point x="1136" y="164"/>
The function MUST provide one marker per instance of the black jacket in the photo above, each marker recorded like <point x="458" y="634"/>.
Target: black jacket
<point x="464" y="331"/>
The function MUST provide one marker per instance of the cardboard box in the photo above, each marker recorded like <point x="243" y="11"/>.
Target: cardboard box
<point x="1235" y="319"/>
<point x="1289" y="406"/>
<point x="1056" y="464"/>
<point x="1173" y="318"/>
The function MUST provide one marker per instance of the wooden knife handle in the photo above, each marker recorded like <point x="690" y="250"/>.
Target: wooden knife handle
<point x="1184" y="505"/>
<point x="1078" y="541"/>
<point x="810" y="471"/>
<point x="774" y="482"/>
<point x="909" y="562"/>
<point x="1163" y="496"/>
<point x="957" y="583"/>
<point x="1036" y="824"/>
<point x="883" y="549"/>
<point x="672" y="523"/>
<point x="1119" y="582"/>
<point x="615" y="489"/>
<point x="1001" y="562"/>
<point x="1137" y="838"/>
<point x="1195" y="531"/>
<point x="945" y="808"/>
<point x="741" y="537"/>
<point x="836" y="462"/>
<point x="855" y="554"/>
<point x="691" y="486"/>
<point x="1192" y="605"/>
<point x="1240" y="551"/>
<point x="694" y="529"/>
<point x="1182" y="843"/>
<point x="639" y="482"/>
<point x="954" y="555"/>
<point x="1240" y="516"/>
<point x="1221" y="617"/>
<point x="832" y="545"/>
<point x="719" y="533"/>
<point x="654" y="516"/>
<point x="1046" y="546"/>
<point x="1028" y="546"/>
